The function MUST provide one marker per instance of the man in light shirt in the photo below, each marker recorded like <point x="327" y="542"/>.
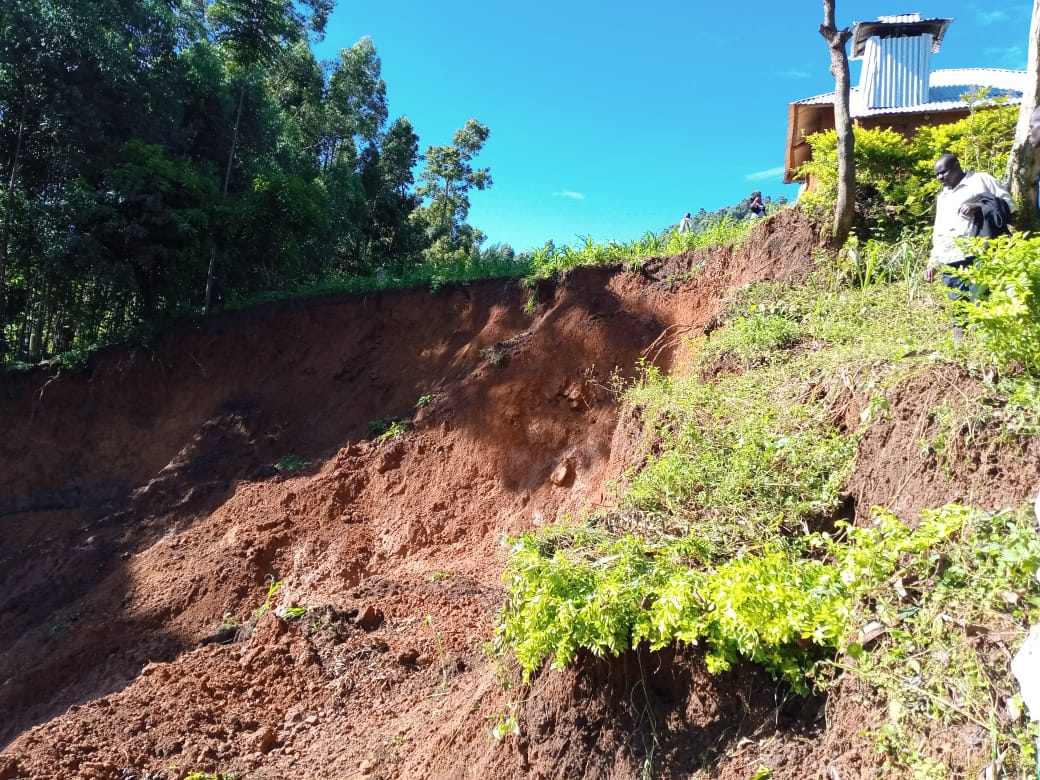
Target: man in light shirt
<point x="957" y="210"/>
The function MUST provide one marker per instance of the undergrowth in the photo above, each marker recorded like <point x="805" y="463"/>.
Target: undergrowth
<point x="727" y="536"/>
<point x="551" y="259"/>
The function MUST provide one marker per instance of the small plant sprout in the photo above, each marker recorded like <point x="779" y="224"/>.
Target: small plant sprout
<point x="273" y="586"/>
<point x="505" y="724"/>
<point x="424" y="400"/>
<point x="292" y="613"/>
<point x="292" y="462"/>
<point x="441" y="658"/>
<point x="390" y="428"/>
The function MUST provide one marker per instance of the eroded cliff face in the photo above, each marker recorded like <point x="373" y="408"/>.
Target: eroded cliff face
<point x="158" y="508"/>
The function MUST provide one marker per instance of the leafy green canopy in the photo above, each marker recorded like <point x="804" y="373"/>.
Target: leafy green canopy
<point x="164" y="157"/>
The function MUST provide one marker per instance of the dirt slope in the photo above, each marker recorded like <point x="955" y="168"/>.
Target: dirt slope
<point x="142" y="521"/>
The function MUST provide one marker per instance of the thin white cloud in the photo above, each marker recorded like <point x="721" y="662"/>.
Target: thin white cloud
<point x="1013" y="56"/>
<point x="569" y="194"/>
<point x="791" y="73"/>
<point x="988" y="17"/>
<point x="769" y="173"/>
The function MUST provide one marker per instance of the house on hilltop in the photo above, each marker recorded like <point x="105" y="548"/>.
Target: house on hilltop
<point x="897" y="87"/>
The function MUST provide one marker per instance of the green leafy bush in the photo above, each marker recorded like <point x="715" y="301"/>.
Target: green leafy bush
<point x="895" y="184"/>
<point x="786" y="607"/>
<point x="895" y="188"/>
<point x="1008" y="314"/>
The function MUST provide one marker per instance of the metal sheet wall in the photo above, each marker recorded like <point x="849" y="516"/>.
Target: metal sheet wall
<point x="895" y="71"/>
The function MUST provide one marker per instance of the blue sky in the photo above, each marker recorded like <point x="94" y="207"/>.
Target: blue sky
<point x="612" y="119"/>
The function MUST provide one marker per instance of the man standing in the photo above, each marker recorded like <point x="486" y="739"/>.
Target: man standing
<point x="960" y="207"/>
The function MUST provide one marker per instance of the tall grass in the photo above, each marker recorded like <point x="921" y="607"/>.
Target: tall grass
<point x="551" y="259"/>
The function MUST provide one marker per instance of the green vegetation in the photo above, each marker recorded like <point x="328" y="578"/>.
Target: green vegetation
<point x="200" y="157"/>
<point x="236" y="170"/>
<point x="551" y="259"/>
<point x="389" y="428"/>
<point x="895" y="184"/>
<point x="949" y="610"/>
<point x="273" y="586"/>
<point x="292" y="462"/>
<point x="1008" y="271"/>
<point x="726" y="536"/>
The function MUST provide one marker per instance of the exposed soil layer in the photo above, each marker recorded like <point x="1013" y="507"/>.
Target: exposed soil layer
<point x="149" y="502"/>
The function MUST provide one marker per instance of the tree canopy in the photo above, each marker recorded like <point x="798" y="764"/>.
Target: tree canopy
<point x="162" y="157"/>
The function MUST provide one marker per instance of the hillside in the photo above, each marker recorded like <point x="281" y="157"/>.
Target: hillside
<point x="162" y="508"/>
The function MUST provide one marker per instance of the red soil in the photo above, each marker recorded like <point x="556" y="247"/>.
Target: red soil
<point x="141" y="514"/>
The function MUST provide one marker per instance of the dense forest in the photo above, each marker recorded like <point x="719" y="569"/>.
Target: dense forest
<point x="164" y="157"/>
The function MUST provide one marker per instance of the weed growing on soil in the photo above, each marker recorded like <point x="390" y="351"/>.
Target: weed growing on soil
<point x="965" y="606"/>
<point x="63" y="624"/>
<point x="505" y="723"/>
<point x="441" y="658"/>
<point x="292" y="462"/>
<point x="389" y="428"/>
<point x="551" y="259"/>
<point x="726" y="536"/>
<point x="273" y="586"/>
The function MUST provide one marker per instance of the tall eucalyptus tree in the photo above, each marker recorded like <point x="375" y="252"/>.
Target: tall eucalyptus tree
<point x="447" y="178"/>
<point x="253" y="33"/>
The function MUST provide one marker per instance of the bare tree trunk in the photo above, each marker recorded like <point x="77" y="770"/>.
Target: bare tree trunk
<point x="227" y="182"/>
<point x="1024" y="162"/>
<point x="845" y="208"/>
<point x="5" y="232"/>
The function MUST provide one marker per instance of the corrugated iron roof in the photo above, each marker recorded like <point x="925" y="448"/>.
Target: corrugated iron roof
<point x="904" y="26"/>
<point x="945" y="88"/>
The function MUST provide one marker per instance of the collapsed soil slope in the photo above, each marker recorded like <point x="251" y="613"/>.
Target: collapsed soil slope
<point x="142" y="522"/>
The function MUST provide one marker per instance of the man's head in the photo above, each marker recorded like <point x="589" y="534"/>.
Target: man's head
<point x="948" y="171"/>
<point x="1034" y="128"/>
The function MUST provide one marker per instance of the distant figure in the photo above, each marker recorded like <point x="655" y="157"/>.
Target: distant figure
<point x="686" y="224"/>
<point x="757" y="207"/>
<point x="969" y="204"/>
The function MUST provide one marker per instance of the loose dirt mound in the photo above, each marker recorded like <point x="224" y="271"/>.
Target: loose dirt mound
<point x="158" y="508"/>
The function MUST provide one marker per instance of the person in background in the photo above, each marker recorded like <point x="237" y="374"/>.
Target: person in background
<point x="686" y="224"/>
<point x="969" y="204"/>
<point x="757" y="207"/>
